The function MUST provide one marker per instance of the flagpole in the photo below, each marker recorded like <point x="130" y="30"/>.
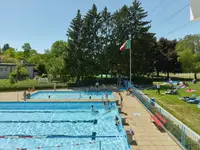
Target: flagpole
<point x="130" y="58"/>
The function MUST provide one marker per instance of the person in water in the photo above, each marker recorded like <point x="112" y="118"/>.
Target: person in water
<point x="93" y="110"/>
<point x="117" y="123"/>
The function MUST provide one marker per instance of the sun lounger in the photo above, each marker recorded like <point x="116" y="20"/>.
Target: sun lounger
<point x="194" y="101"/>
<point x="192" y="97"/>
<point x="172" y="91"/>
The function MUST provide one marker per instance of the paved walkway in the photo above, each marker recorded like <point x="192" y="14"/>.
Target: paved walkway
<point x="147" y="136"/>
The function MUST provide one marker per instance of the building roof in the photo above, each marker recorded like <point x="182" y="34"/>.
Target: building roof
<point x="13" y="64"/>
<point x="194" y="10"/>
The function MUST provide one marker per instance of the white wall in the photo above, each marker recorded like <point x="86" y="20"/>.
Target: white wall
<point x="6" y="70"/>
<point x="195" y="10"/>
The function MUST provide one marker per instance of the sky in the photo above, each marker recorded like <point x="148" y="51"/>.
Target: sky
<point x="42" y="22"/>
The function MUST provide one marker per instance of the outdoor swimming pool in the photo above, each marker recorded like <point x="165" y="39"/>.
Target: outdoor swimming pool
<point x="64" y="95"/>
<point x="60" y="125"/>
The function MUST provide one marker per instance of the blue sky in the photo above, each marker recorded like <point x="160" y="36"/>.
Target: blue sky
<point x="42" y="22"/>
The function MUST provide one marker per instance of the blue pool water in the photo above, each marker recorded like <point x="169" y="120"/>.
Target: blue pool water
<point x="71" y="95"/>
<point x="67" y="125"/>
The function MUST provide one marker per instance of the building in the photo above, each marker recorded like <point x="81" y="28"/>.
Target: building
<point x="7" y="68"/>
<point x="195" y="10"/>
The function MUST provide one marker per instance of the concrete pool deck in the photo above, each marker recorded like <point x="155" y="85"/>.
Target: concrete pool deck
<point x="147" y="136"/>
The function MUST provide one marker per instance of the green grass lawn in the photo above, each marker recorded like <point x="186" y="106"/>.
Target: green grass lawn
<point x="187" y="113"/>
<point x="5" y="85"/>
<point x="181" y="75"/>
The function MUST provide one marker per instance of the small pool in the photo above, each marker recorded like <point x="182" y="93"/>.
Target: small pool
<point x="64" y="95"/>
<point x="60" y="125"/>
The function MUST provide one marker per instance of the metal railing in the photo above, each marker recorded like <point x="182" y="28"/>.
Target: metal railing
<point x="183" y="134"/>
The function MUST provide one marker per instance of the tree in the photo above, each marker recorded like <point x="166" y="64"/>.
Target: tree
<point x="130" y="21"/>
<point x="8" y="59"/>
<point x="119" y="36"/>
<point x="56" y="66"/>
<point x="5" y="47"/>
<point x="75" y="62"/>
<point x="94" y="41"/>
<point x="19" y="55"/>
<point x="59" y="48"/>
<point x="188" y="50"/>
<point x="167" y="57"/>
<point x="143" y="41"/>
<point x="105" y="40"/>
<point x="92" y="46"/>
<point x="27" y="50"/>
<point x="10" y="52"/>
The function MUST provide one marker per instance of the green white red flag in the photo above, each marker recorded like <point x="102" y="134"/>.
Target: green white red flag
<point x="126" y="45"/>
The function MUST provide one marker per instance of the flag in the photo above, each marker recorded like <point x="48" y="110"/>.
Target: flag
<point x="126" y="45"/>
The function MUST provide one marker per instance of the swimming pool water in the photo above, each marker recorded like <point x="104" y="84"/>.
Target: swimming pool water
<point x="71" y="95"/>
<point x="68" y="125"/>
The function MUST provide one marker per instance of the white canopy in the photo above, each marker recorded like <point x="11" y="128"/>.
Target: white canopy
<point x="195" y="10"/>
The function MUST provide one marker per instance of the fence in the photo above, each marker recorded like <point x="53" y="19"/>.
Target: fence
<point x="184" y="135"/>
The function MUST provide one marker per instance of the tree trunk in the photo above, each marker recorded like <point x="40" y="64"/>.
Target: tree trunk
<point x="168" y="75"/>
<point x="195" y="75"/>
<point x="101" y="76"/>
<point x="157" y="73"/>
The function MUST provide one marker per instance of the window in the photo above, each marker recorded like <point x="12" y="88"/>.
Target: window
<point x="1" y="69"/>
<point x="5" y="69"/>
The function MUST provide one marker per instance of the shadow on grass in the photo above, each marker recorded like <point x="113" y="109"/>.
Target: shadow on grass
<point x="161" y="79"/>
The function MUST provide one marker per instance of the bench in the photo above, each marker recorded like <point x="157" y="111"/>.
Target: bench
<point x="158" y="123"/>
<point x="161" y="118"/>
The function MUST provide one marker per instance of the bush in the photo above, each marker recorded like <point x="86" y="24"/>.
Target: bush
<point x="92" y="81"/>
<point x="11" y="79"/>
<point x="20" y="73"/>
<point x="44" y="75"/>
<point x="25" y="84"/>
<point x="142" y="80"/>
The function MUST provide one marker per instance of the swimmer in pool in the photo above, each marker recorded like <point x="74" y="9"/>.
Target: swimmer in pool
<point x="117" y="123"/>
<point x="104" y="104"/>
<point x="49" y="96"/>
<point x="92" y="109"/>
